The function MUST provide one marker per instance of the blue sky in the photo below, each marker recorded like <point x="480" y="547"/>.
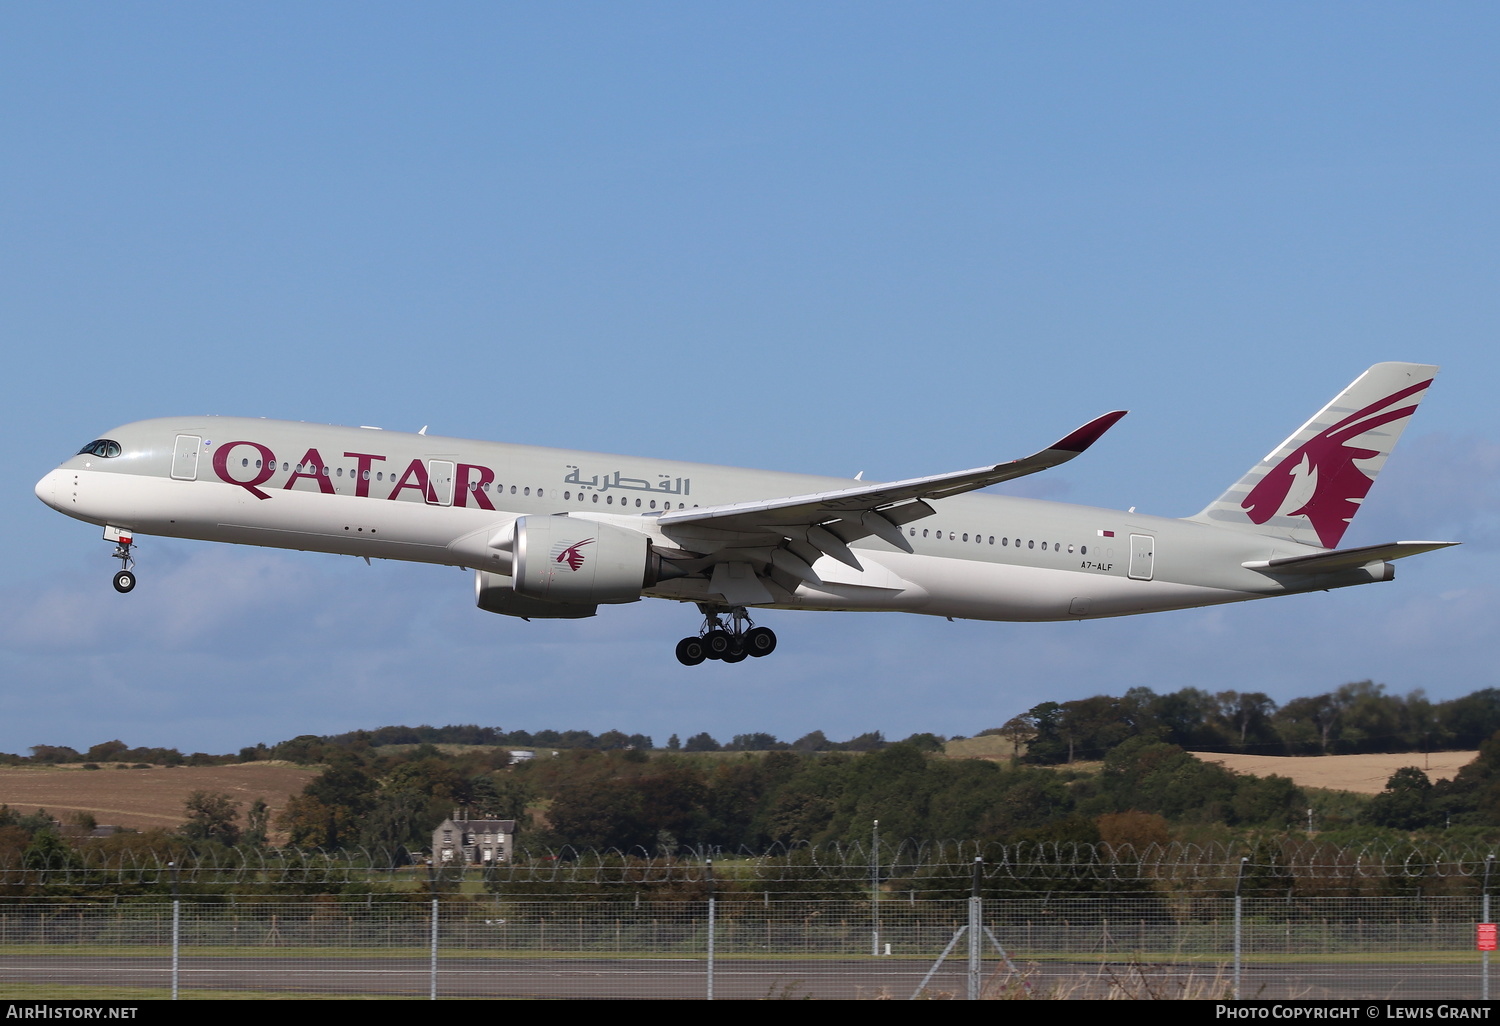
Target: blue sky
<point x="897" y="238"/>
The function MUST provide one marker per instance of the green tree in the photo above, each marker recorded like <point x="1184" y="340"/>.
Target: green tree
<point x="1019" y="731"/>
<point x="1246" y="717"/>
<point x="1473" y="719"/>
<point x="257" y="824"/>
<point x="1308" y="726"/>
<point x="813" y="741"/>
<point x="211" y="816"/>
<point x="702" y="742"/>
<point x="1406" y="803"/>
<point x="757" y="742"/>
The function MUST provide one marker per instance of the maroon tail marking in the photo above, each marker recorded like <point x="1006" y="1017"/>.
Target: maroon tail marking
<point x="1340" y="484"/>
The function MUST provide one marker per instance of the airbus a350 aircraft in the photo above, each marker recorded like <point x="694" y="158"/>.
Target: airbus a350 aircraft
<point x="555" y="533"/>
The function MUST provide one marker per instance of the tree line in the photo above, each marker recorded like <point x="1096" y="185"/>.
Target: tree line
<point x="1356" y="718"/>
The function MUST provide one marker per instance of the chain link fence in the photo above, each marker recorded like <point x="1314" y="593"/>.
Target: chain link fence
<point x="1057" y="946"/>
<point x="1283" y="919"/>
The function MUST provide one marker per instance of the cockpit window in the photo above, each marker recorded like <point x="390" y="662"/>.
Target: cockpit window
<point x="105" y="447"/>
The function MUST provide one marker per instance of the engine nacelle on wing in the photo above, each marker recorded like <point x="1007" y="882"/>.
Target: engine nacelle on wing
<point x="585" y="562"/>
<point x="496" y="593"/>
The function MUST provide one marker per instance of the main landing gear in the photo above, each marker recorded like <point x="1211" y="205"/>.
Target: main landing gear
<point x="730" y="642"/>
<point x="125" y="578"/>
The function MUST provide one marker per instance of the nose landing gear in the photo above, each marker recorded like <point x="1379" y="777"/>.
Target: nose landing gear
<point x="125" y="577"/>
<point x="731" y="642"/>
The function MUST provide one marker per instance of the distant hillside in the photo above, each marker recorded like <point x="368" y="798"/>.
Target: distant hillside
<point x="146" y="799"/>
<point x="1362" y="774"/>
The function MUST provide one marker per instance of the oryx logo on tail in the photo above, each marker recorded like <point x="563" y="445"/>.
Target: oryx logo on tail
<point x="562" y="552"/>
<point x="1322" y="478"/>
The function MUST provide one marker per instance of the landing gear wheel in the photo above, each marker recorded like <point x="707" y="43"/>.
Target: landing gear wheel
<point x="124" y="582"/>
<point x="717" y="644"/>
<point x="691" y="651"/>
<point x="760" y="641"/>
<point x="736" y="654"/>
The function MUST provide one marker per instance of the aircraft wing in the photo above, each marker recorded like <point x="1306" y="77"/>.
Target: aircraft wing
<point x="824" y="522"/>
<point x="821" y="506"/>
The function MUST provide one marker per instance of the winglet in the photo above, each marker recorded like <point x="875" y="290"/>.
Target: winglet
<point x="1087" y="435"/>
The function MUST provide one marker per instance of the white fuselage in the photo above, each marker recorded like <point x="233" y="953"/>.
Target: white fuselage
<point x="390" y="495"/>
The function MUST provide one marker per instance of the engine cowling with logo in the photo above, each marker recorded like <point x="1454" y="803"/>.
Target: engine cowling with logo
<point x="581" y="562"/>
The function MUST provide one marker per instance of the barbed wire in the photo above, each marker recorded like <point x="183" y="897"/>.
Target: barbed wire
<point x="1029" y="865"/>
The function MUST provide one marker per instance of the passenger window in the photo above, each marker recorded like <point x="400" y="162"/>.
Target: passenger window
<point x="1031" y="544"/>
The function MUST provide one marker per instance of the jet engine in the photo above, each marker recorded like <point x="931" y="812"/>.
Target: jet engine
<point x="496" y="593"/>
<point x="584" y="562"/>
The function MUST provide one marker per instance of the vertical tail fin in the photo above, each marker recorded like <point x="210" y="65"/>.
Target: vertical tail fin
<point x="1310" y="486"/>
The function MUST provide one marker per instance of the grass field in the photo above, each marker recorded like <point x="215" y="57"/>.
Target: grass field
<point x="146" y="799"/>
<point x="1363" y="774"/>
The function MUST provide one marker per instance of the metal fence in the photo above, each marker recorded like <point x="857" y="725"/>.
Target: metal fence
<point x="1141" y="945"/>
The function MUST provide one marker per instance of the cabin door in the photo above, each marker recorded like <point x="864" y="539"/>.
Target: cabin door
<point x="185" y="457"/>
<point x="440" y="482"/>
<point x="1142" y="557"/>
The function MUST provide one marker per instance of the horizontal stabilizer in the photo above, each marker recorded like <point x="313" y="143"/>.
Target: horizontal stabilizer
<point x="1344" y="559"/>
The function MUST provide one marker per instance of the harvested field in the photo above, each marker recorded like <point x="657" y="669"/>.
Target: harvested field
<point x="146" y="799"/>
<point x="1363" y="774"/>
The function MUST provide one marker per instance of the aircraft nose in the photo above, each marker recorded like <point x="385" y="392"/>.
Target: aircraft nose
<point x="46" y="488"/>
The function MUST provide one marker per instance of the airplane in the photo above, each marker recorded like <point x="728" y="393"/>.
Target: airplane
<point x="555" y="533"/>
